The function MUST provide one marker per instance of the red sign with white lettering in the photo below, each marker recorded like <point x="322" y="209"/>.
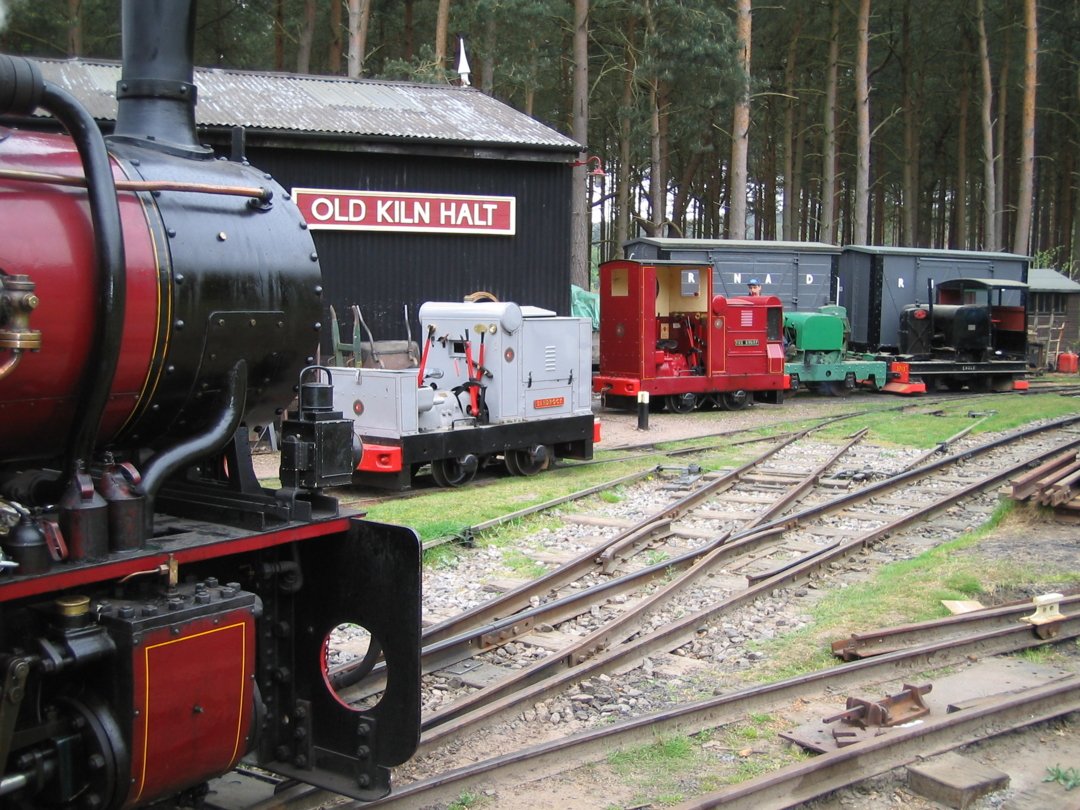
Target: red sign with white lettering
<point x="329" y="209"/>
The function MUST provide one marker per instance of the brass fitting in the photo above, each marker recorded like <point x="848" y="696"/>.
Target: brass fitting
<point x="17" y="301"/>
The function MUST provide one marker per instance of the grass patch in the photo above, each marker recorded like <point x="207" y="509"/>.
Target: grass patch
<point x="665" y="772"/>
<point x="1044" y="655"/>
<point x="901" y="592"/>
<point x="442" y="512"/>
<point x="939" y="422"/>
<point x="523" y="566"/>
<point x="442" y="556"/>
<point x="654" y="556"/>
<point x="754" y="750"/>
<point x="657" y="771"/>
<point x="1068" y="778"/>
<point x="466" y="800"/>
<point x="658" y="757"/>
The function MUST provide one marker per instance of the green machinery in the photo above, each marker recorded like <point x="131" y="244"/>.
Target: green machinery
<point x="818" y="358"/>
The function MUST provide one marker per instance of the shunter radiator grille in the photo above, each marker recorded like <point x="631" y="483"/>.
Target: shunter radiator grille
<point x="746" y="317"/>
<point x="549" y="358"/>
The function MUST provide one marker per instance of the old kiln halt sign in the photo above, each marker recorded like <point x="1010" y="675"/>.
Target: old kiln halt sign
<point x="330" y="209"/>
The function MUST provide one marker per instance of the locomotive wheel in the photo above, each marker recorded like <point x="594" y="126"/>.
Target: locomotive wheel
<point x="102" y="741"/>
<point x="835" y="388"/>
<point x="527" y="462"/>
<point x="453" y="472"/>
<point x="735" y="400"/>
<point x="681" y="403"/>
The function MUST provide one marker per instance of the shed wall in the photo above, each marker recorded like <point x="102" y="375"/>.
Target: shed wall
<point x="382" y="271"/>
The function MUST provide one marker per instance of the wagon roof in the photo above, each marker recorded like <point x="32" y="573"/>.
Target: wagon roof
<point x="932" y="252"/>
<point x="675" y="243"/>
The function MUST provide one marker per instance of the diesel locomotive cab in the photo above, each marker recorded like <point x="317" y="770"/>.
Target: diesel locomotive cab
<point x="162" y="615"/>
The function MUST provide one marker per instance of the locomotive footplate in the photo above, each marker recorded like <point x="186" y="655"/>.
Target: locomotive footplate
<point x="570" y="437"/>
<point x="999" y="375"/>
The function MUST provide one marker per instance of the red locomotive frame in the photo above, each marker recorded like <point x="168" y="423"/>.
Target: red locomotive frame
<point x="663" y="332"/>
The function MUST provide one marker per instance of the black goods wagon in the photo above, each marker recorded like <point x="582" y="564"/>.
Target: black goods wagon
<point x="876" y="283"/>
<point x="801" y="274"/>
<point x="950" y="317"/>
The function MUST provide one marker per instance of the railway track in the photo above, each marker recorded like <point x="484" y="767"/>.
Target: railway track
<point x="990" y="715"/>
<point x="770" y="541"/>
<point x="768" y="552"/>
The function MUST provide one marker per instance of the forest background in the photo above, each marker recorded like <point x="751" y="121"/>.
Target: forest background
<point x="951" y="124"/>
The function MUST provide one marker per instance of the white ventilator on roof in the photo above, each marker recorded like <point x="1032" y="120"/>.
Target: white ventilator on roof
<point x="463" y="68"/>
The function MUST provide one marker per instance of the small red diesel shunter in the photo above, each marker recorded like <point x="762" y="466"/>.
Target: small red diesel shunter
<point x="662" y="331"/>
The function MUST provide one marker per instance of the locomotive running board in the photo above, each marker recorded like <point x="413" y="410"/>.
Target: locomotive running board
<point x="311" y="734"/>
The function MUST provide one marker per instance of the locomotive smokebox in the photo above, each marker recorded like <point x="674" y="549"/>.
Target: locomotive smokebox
<point x="156" y="94"/>
<point x="220" y="274"/>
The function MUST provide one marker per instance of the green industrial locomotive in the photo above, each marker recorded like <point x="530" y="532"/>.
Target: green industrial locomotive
<point x="817" y="355"/>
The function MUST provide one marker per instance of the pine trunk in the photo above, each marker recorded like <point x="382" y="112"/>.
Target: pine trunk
<point x="1025" y="189"/>
<point x="789" y="180"/>
<point x="910" y="210"/>
<point x="986" y="125"/>
<point x="862" y="112"/>
<point x="442" y="32"/>
<point x="828" y="151"/>
<point x="740" y="129"/>
<point x="580" y="220"/>
<point x="358" y="10"/>
<point x="622" y="180"/>
<point x="334" y="60"/>
<point x="487" y="69"/>
<point x="1000" y="173"/>
<point x="75" y="28"/>
<point x="307" y="35"/>
<point x="958" y="237"/>
<point x="657" y="185"/>
<point x="768" y="175"/>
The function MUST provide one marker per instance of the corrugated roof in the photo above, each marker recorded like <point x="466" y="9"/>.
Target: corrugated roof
<point x="328" y="105"/>
<point x="1045" y="279"/>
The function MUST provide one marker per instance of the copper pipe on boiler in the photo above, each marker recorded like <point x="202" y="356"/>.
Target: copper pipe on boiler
<point x="261" y="194"/>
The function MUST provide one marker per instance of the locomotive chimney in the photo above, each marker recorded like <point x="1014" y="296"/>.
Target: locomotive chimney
<point x="155" y="97"/>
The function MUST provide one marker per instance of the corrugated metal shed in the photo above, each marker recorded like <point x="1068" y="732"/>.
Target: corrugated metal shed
<point x="328" y="105"/>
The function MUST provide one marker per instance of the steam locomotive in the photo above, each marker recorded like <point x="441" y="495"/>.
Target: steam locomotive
<point x="161" y="614"/>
